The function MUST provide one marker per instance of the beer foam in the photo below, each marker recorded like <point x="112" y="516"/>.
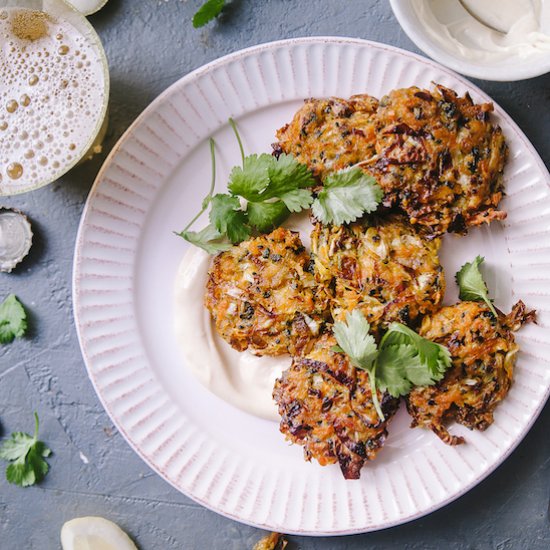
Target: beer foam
<point x="52" y="92"/>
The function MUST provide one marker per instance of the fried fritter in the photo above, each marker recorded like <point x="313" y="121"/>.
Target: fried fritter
<point x="326" y="406"/>
<point x="385" y="267"/>
<point x="262" y="295"/>
<point x="439" y="158"/>
<point x="330" y="134"/>
<point x="483" y="352"/>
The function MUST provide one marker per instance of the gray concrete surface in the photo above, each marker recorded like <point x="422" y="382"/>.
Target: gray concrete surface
<point x="150" y="44"/>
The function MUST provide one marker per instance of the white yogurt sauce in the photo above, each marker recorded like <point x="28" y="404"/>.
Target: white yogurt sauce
<point x="240" y="378"/>
<point x="453" y="28"/>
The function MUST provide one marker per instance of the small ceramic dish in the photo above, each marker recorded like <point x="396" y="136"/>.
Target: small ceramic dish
<point x="448" y="33"/>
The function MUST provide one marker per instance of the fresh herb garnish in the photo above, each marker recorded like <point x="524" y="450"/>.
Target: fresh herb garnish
<point x="209" y="238"/>
<point x="346" y="196"/>
<point x="262" y="194"/>
<point x="26" y="456"/>
<point x="355" y="341"/>
<point x="406" y="359"/>
<point x="402" y="359"/>
<point x="13" y="319"/>
<point x="472" y="285"/>
<point x="207" y="12"/>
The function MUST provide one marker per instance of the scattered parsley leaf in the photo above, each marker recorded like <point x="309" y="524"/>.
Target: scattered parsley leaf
<point x="209" y="239"/>
<point x="346" y="196"/>
<point x="472" y="285"/>
<point x="403" y="358"/>
<point x="26" y="456"/>
<point x="13" y="319"/>
<point x="354" y="339"/>
<point x="207" y="12"/>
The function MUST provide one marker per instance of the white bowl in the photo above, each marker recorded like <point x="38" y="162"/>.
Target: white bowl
<point x="512" y="67"/>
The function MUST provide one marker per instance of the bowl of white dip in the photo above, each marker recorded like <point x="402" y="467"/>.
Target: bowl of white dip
<point x="488" y="39"/>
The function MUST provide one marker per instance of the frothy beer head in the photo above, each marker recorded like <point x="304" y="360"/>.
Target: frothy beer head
<point x="52" y="97"/>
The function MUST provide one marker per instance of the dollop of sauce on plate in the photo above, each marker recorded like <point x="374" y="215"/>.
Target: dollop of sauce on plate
<point x="240" y="378"/>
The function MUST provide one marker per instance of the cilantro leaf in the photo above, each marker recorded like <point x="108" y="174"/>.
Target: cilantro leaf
<point x="264" y="216"/>
<point x="297" y="200"/>
<point x="271" y="201"/>
<point x="18" y="445"/>
<point x="354" y="339"/>
<point x="393" y="365"/>
<point x="209" y="239"/>
<point x="402" y="359"/>
<point x="207" y="12"/>
<point x="228" y="218"/>
<point x="26" y="456"/>
<point x="434" y="357"/>
<point x="262" y="194"/>
<point x="286" y="174"/>
<point x="399" y="367"/>
<point x="252" y="179"/>
<point x="346" y="196"/>
<point x="13" y="319"/>
<point x="472" y="285"/>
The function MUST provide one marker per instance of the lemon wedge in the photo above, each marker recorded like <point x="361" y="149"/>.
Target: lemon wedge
<point x="94" y="533"/>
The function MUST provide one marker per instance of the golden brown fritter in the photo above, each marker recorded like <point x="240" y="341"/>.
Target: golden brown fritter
<point x="262" y="295"/>
<point x="326" y="406"/>
<point x="439" y="158"/>
<point x="330" y="134"/>
<point x="384" y="266"/>
<point x="483" y="352"/>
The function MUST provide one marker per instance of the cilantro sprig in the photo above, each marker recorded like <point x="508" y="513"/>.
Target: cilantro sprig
<point x="13" y="320"/>
<point x="355" y="341"/>
<point x="207" y="12"/>
<point x="26" y="456"/>
<point x="209" y="238"/>
<point x="407" y="359"/>
<point x="402" y="359"/>
<point x="262" y="194"/>
<point x="346" y="196"/>
<point x="471" y="284"/>
<point x="264" y="191"/>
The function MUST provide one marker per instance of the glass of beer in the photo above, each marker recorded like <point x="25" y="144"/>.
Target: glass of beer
<point x="54" y="90"/>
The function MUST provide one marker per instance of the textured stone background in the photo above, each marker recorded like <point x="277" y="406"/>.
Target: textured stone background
<point x="150" y="44"/>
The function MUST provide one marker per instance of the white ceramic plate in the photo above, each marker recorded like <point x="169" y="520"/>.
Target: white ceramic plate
<point x="127" y="258"/>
